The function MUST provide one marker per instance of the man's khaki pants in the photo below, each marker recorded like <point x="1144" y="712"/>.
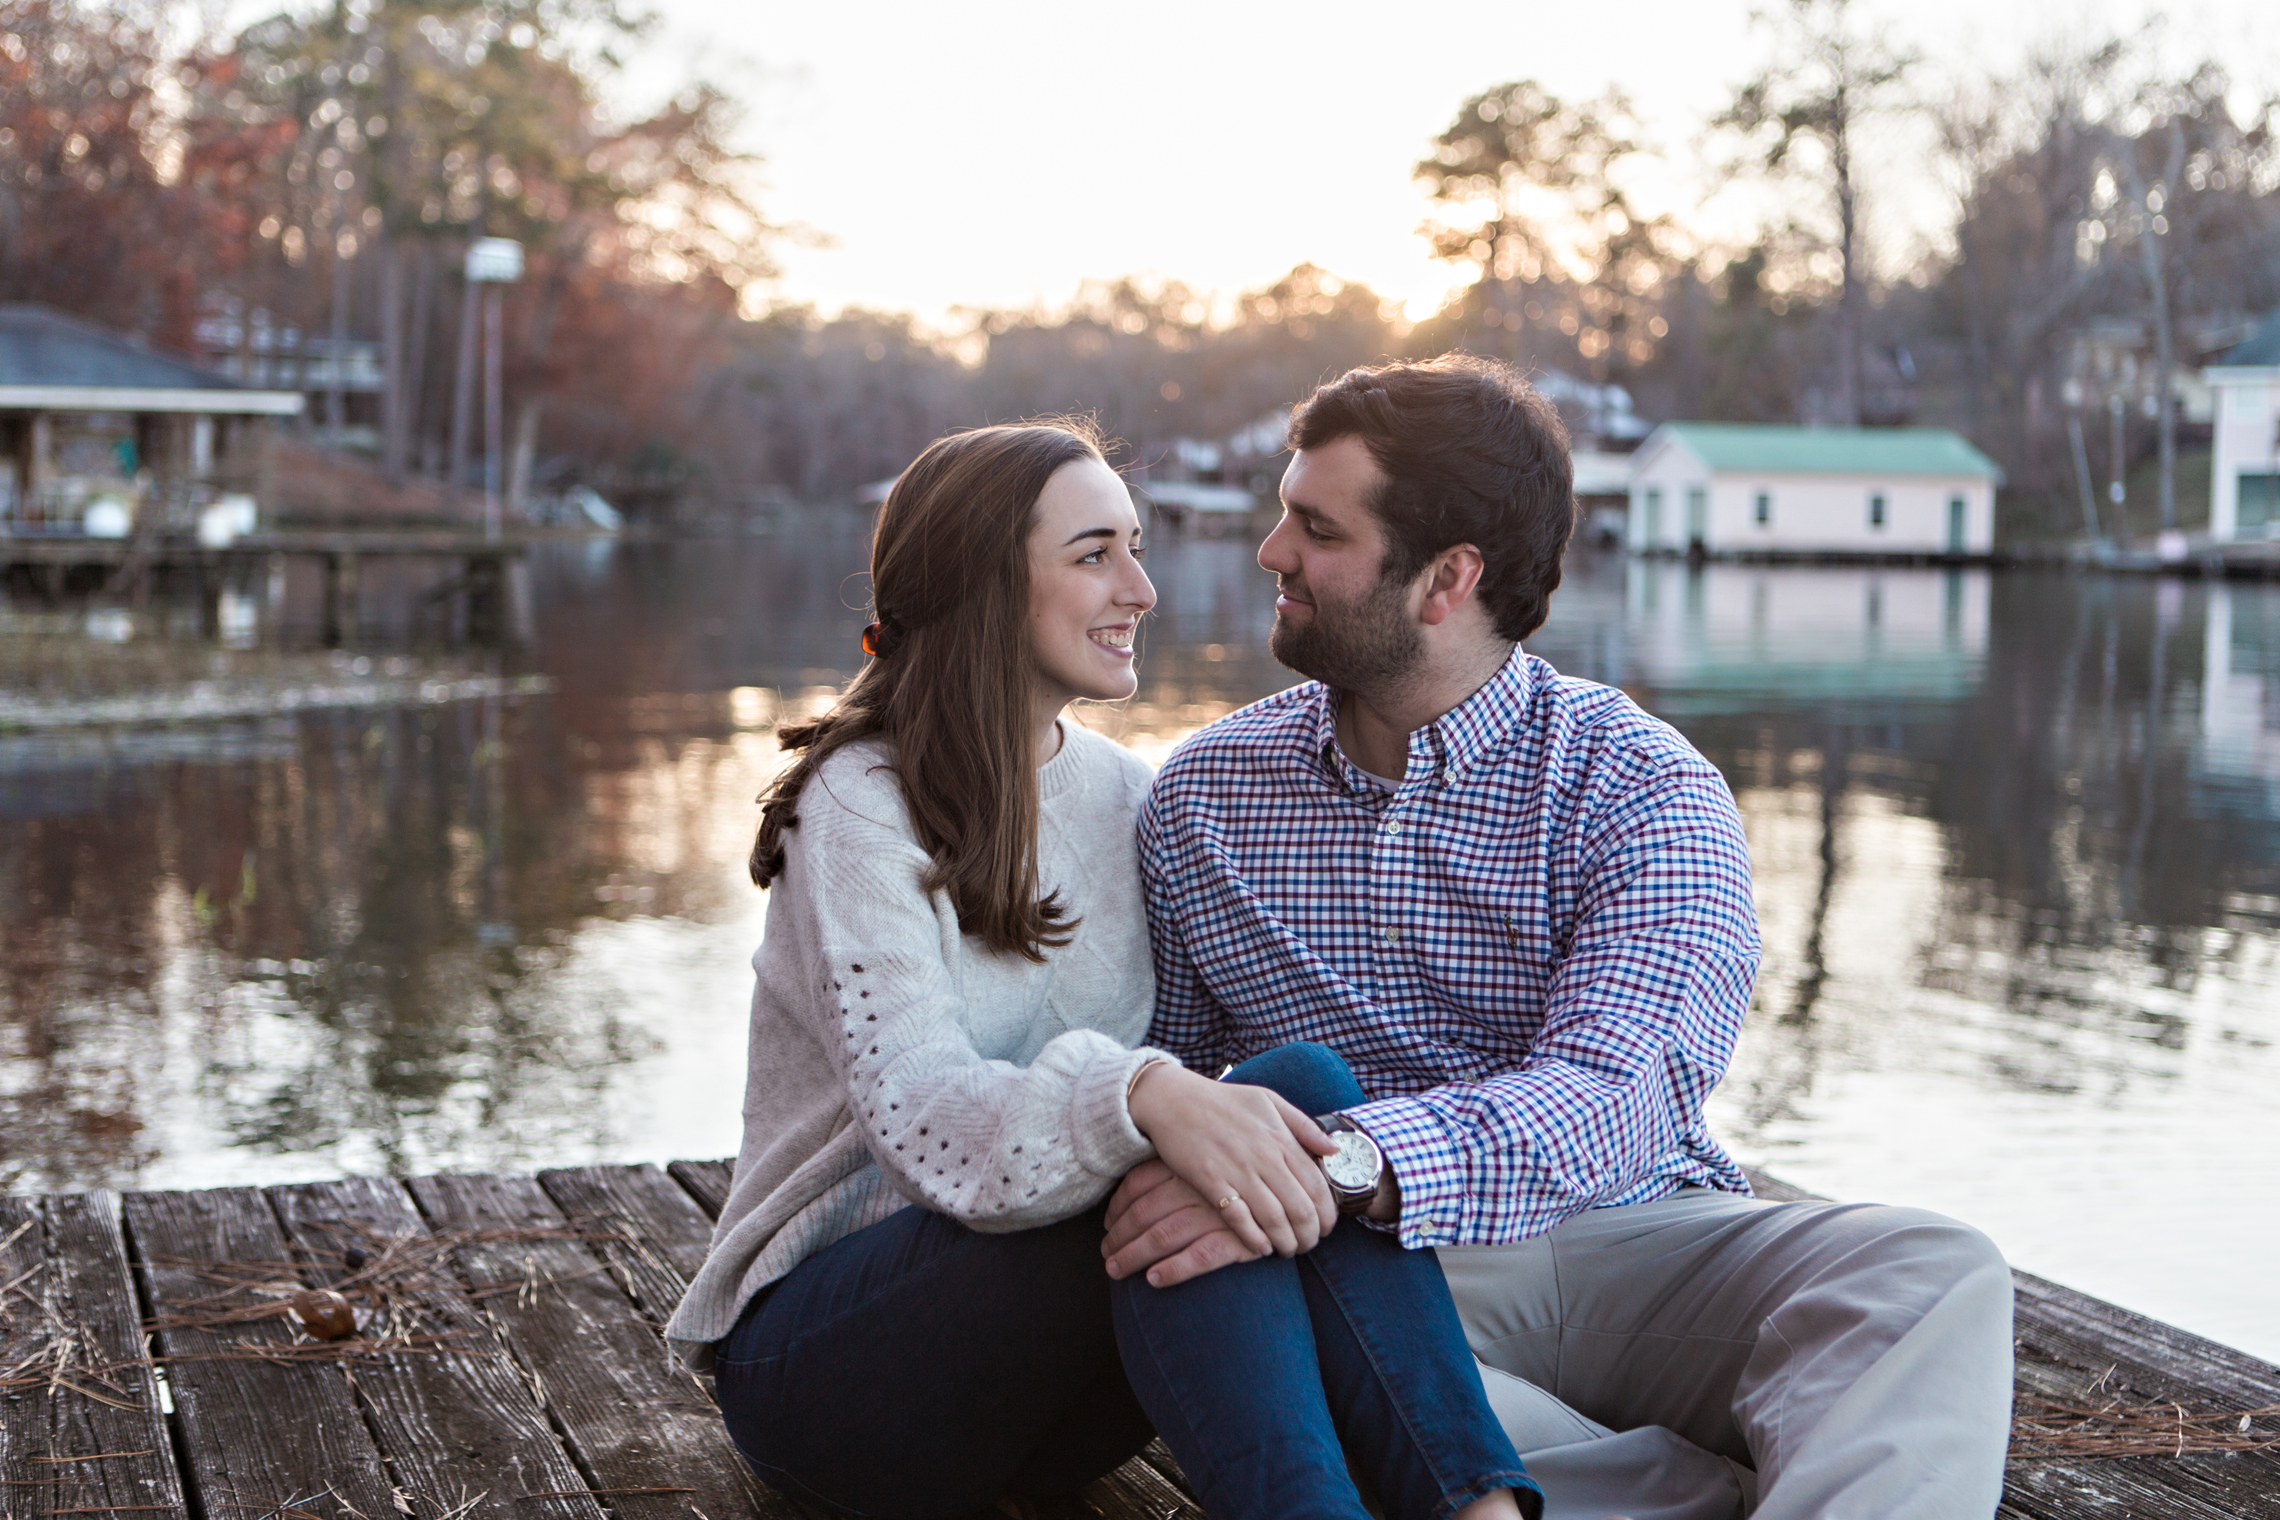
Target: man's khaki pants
<point x="1707" y="1356"/>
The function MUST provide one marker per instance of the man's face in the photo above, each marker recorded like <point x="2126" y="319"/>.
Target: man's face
<point x="1337" y="619"/>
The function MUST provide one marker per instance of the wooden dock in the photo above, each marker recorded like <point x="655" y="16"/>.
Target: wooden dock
<point x="72" y="564"/>
<point x="507" y="1365"/>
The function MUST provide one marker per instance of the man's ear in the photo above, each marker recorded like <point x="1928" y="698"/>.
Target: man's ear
<point x="1448" y="583"/>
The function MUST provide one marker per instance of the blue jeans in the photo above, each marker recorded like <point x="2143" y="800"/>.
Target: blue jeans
<point x="918" y="1369"/>
<point x="1268" y="1377"/>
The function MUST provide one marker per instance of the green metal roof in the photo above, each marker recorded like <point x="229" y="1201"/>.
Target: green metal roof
<point x="1775" y="450"/>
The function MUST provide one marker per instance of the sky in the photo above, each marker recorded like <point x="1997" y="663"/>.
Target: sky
<point x="998" y="154"/>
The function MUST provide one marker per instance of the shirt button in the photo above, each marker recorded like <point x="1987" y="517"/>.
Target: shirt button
<point x="1393" y="936"/>
<point x="1392" y="826"/>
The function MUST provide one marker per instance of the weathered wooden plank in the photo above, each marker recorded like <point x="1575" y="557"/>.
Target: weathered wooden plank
<point x="1773" y="1190"/>
<point x="633" y="1423"/>
<point x="2113" y="1490"/>
<point x="1140" y="1491"/>
<point x="461" y="1428"/>
<point x="2078" y="1348"/>
<point x="584" y="1318"/>
<point x="707" y="1182"/>
<point x="1159" y="1456"/>
<point x="2158" y="1360"/>
<point x="85" y="1431"/>
<point x="662" y="1233"/>
<point x="255" y="1433"/>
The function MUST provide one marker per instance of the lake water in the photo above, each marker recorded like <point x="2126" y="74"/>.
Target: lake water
<point x="2016" y="840"/>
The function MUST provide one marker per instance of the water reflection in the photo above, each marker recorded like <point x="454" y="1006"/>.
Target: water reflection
<point x="2014" y="840"/>
<point x="2014" y="835"/>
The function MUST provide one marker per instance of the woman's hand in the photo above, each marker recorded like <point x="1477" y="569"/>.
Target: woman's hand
<point x="1242" y="1144"/>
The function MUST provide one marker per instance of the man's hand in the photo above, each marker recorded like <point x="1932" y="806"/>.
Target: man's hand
<point x="1159" y="1225"/>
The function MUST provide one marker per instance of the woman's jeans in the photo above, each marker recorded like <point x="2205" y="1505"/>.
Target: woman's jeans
<point x="1266" y="1378"/>
<point x="918" y="1369"/>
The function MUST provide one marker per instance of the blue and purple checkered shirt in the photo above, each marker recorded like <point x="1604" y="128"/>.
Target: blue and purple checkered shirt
<point x="1535" y="953"/>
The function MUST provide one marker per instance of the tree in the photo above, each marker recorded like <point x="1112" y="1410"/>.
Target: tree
<point x="88" y="219"/>
<point x="1735" y="351"/>
<point x="1830" y="76"/>
<point x="2176" y="161"/>
<point x="2074" y="208"/>
<point x="369" y="143"/>
<point x="1528" y="192"/>
<point x="2022" y="155"/>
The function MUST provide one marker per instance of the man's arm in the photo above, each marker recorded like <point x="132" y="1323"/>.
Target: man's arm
<point x="1639" y="1022"/>
<point x="1188" y="1020"/>
<point x="1155" y="1219"/>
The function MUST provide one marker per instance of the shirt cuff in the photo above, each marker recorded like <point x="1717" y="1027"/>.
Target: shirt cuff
<point x="1410" y="1136"/>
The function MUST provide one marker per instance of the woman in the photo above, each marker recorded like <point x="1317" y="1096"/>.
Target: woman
<point x="954" y="981"/>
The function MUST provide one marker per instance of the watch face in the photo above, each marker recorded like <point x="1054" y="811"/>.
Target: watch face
<point x="1355" y="1168"/>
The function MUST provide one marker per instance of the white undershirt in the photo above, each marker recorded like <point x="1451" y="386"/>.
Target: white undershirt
<point x="1383" y="786"/>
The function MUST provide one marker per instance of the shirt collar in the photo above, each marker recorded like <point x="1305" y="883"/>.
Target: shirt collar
<point x="1449" y="746"/>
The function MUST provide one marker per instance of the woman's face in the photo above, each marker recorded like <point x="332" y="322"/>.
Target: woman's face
<point x="1086" y="587"/>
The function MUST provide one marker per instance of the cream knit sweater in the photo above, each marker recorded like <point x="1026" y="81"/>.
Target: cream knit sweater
<point x="894" y="1060"/>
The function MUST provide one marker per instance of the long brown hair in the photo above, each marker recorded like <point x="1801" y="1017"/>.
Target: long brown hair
<point x="952" y="684"/>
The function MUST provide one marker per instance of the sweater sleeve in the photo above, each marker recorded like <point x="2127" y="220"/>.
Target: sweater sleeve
<point x="996" y="1146"/>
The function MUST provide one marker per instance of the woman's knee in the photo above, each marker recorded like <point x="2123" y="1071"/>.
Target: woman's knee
<point x="1311" y="1077"/>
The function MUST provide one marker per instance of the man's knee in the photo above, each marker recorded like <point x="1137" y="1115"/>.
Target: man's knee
<point x="1909" y="1263"/>
<point x="1929" y="1246"/>
<point x="1312" y="1078"/>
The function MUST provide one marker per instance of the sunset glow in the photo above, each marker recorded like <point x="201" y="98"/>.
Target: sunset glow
<point x="998" y="156"/>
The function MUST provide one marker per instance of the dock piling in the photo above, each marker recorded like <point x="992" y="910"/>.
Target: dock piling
<point x="342" y="595"/>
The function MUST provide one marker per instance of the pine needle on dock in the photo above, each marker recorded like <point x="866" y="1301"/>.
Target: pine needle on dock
<point x="2048" y="1430"/>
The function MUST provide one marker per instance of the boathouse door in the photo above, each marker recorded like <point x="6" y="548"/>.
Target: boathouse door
<point x="1956" y="511"/>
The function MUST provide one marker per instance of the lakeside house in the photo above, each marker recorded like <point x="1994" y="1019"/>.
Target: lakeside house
<point x="259" y="349"/>
<point x="1602" y="494"/>
<point x="1762" y="491"/>
<point x="100" y="433"/>
<point x="2244" y="467"/>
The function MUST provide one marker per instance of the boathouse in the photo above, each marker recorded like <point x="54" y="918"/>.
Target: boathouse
<point x="1758" y="491"/>
<point x="2244" y="473"/>
<point x="101" y="434"/>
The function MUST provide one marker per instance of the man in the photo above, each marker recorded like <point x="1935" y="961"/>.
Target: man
<point x="1520" y="909"/>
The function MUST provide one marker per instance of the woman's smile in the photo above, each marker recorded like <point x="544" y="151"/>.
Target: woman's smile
<point x="1084" y="565"/>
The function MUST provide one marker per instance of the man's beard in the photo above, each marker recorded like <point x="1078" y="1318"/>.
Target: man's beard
<point x="1364" y="645"/>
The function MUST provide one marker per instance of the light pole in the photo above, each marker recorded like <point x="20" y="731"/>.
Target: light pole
<point x="2116" y="492"/>
<point x="2073" y="394"/>
<point x="492" y="262"/>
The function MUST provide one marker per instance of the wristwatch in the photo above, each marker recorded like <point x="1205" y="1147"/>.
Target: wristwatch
<point x="1356" y="1170"/>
